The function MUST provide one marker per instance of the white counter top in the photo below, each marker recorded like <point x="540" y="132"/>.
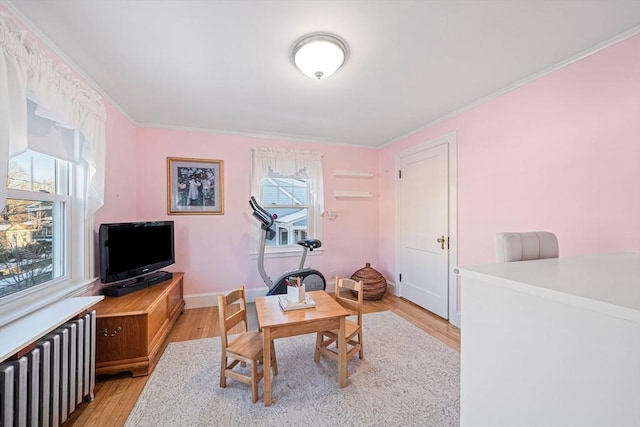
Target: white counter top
<point x="551" y="342"/>
<point x="607" y="283"/>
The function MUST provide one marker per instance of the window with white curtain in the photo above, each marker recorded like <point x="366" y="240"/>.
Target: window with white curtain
<point x="52" y="154"/>
<point x="289" y="185"/>
<point x="37" y="236"/>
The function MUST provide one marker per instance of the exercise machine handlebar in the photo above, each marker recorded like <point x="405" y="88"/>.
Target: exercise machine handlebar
<point x="261" y="214"/>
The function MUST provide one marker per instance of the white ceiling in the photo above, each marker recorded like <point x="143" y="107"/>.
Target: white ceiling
<point x="225" y="65"/>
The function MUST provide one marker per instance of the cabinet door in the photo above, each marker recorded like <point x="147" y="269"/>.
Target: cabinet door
<point x="120" y="338"/>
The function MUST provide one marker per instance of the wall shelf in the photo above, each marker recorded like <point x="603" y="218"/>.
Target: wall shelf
<point x="352" y="173"/>
<point x="352" y="194"/>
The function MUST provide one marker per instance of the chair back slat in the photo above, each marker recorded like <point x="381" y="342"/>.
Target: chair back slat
<point x="347" y="303"/>
<point x="349" y="285"/>
<point x="236" y="295"/>
<point x="235" y="318"/>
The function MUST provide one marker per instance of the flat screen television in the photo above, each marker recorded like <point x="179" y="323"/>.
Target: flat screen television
<point x="132" y="249"/>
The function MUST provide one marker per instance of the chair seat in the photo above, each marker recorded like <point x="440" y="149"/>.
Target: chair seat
<point x="247" y="344"/>
<point x="351" y="329"/>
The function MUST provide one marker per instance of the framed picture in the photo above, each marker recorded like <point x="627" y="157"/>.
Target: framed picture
<point x="195" y="186"/>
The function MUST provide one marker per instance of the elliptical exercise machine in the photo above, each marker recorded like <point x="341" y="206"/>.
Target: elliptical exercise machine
<point x="312" y="279"/>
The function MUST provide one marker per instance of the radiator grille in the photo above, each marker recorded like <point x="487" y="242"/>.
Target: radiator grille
<point x="43" y="387"/>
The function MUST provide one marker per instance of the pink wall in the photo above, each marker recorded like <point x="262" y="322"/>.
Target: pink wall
<point x="561" y="153"/>
<point x="213" y="250"/>
<point x="121" y="175"/>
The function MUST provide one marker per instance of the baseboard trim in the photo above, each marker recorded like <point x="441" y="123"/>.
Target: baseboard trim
<point x="210" y="299"/>
<point x="391" y="288"/>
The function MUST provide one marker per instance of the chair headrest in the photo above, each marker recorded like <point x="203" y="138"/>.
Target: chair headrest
<point x="526" y="246"/>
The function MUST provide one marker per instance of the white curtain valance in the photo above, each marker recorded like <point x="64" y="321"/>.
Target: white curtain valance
<point x="48" y="137"/>
<point x="27" y="72"/>
<point x="290" y="163"/>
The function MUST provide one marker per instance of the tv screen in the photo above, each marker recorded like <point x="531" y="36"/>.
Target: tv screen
<point x="133" y="249"/>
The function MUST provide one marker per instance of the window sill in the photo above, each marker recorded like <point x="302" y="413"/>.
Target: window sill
<point x="287" y="253"/>
<point x="29" y="328"/>
<point x="14" y="307"/>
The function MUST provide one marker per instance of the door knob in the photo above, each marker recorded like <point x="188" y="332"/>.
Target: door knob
<point x="441" y="240"/>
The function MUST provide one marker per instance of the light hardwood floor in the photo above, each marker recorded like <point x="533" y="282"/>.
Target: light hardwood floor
<point x="116" y="395"/>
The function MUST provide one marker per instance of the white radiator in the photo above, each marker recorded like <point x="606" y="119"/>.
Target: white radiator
<point x="43" y="387"/>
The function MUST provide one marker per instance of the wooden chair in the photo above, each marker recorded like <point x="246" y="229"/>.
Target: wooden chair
<point x="246" y="347"/>
<point x="353" y="333"/>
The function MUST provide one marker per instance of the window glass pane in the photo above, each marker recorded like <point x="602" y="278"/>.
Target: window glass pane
<point x="284" y="236"/>
<point x="286" y="200"/>
<point x="288" y="222"/>
<point x="27" y="254"/>
<point x="270" y="193"/>
<point x="44" y="173"/>
<point x="19" y="177"/>
<point x="300" y="194"/>
<point x="285" y="191"/>
<point x="30" y="171"/>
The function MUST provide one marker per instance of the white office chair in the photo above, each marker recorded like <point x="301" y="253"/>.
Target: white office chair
<point x="526" y="246"/>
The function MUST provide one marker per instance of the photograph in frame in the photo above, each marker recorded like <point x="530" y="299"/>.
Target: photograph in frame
<point x="195" y="186"/>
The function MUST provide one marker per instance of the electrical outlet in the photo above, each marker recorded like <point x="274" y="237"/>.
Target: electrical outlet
<point x="332" y="273"/>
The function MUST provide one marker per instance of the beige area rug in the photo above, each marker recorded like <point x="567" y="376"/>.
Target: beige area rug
<point x="407" y="378"/>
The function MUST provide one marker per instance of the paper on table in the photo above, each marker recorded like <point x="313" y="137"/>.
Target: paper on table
<point x="287" y="304"/>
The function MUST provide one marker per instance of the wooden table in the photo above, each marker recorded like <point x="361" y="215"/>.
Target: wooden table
<point x="277" y="323"/>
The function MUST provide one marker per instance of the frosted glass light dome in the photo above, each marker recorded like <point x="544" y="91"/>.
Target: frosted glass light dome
<point x="319" y="55"/>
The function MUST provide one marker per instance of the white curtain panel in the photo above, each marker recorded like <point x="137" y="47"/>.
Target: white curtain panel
<point x="27" y="72"/>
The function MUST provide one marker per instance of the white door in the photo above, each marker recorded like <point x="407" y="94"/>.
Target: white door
<point x="423" y="225"/>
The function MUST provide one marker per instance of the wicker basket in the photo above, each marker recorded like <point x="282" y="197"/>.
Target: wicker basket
<point x="373" y="283"/>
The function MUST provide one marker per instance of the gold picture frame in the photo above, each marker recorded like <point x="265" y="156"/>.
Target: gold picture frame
<point x="195" y="186"/>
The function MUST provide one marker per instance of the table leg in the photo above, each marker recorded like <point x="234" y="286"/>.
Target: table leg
<point x="342" y="354"/>
<point x="266" y="366"/>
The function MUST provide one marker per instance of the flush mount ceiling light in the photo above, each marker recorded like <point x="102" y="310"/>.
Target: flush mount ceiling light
<point x="319" y="55"/>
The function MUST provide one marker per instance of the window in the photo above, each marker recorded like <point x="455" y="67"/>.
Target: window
<point x="33" y="222"/>
<point x="288" y="184"/>
<point x="42" y="257"/>
<point x="55" y="149"/>
<point x="286" y="199"/>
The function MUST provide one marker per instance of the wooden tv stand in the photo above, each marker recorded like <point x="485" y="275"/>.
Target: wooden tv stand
<point x="132" y="328"/>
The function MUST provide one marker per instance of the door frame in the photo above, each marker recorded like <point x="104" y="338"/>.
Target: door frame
<point x="451" y="139"/>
